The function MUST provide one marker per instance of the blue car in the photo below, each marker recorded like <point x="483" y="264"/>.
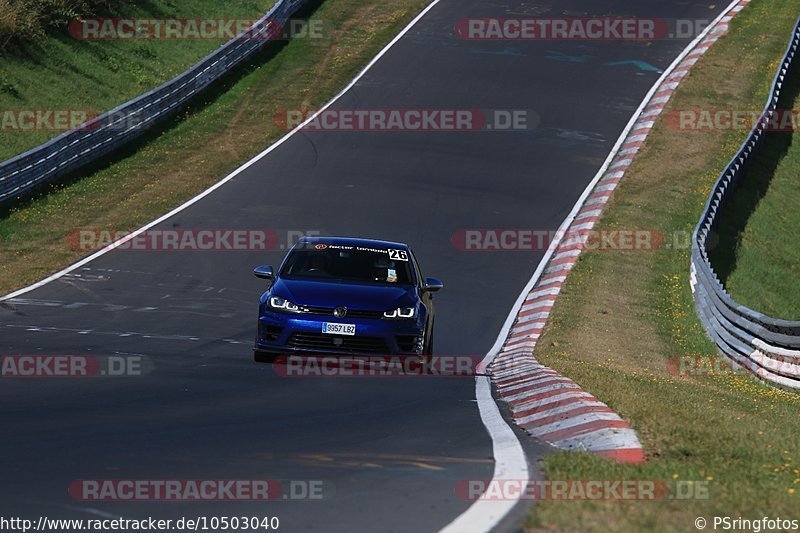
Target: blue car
<point x="346" y="296"/>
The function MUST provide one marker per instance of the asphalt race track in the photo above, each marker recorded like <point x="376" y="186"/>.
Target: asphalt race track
<point x="390" y="450"/>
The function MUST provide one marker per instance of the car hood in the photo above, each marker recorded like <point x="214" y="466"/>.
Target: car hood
<point x="367" y="297"/>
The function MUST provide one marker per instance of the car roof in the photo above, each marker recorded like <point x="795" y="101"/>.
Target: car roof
<point x="351" y="241"/>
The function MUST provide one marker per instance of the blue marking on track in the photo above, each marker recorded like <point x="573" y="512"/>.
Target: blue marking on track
<point x="641" y="65"/>
<point x="503" y="52"/>
<point x="560" y="56"/>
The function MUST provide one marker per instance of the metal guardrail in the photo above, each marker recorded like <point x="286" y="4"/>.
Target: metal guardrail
<point x="111" y="130"/>
<point x="768" y="347"/>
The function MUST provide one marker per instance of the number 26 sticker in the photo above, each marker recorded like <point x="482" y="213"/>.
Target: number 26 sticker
<point x="398" y="255"/>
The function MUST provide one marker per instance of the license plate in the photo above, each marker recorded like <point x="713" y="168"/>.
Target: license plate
<point x="338" y="329"/>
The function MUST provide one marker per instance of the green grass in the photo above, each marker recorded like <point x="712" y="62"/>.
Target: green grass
<point x="758" y="257"/>
<point x="622" y="316"/>
<point x="63" y="73"/>
<point x="22" y="20"/>
<point x="221" y="130"/>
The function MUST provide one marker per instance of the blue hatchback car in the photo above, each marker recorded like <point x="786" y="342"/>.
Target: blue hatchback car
<point x="336" y="295"/>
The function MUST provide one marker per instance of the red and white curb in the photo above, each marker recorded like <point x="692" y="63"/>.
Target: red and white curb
<point x="545" y="404"/>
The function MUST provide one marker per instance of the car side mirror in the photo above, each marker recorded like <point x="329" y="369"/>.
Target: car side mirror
<point x="264" y="272"/>
<point x="433" y="285"/>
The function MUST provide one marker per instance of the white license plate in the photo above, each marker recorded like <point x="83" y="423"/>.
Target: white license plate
<point x="338" y="329"/>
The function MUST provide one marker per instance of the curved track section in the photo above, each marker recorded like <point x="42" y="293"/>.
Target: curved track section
<point x="394" y="449"/>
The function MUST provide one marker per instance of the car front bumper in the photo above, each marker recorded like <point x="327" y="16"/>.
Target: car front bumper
<point x="292" y="334"/>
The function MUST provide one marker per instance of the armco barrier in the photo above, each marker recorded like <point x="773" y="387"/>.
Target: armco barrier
<point x="769" y="347"/>
<point x="75" y="148"/>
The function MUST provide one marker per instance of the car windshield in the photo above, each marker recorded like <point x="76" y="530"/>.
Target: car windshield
<point x="349" y="263"/>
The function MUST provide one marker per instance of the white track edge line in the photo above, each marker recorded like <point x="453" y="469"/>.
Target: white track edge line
<point x="471" y="519"/>
<point x="589" y="188"/>
<point x="230" y="176"/>
<point x="508" y="454"/>
<point x="510" y="463"/>
<point x="507" y="450"/>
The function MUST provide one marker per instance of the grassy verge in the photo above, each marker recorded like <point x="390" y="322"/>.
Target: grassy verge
<point x="22" y="20"/>
<point x="59" y="72"/>
<point x="186" y="156"/>
<point x="623" y="316"/>
<point x="758" y="258"/>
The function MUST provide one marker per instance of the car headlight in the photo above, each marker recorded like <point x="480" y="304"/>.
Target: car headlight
<point x="281" y="304"/>
<point x="400" y="312"/>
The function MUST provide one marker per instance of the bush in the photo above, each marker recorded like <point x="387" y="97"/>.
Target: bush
<point x="31" y="19"/>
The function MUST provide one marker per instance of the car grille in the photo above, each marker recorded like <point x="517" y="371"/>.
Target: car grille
<point x="351" y="313"/>
<point x="321" y="341"/>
